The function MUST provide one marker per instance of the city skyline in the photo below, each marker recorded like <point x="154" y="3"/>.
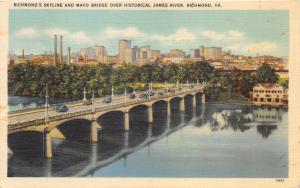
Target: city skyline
<point x="242" y="32"/>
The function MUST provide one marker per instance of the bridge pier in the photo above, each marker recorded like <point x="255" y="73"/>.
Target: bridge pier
<point x="94" y="153"/>
<point x="94" y="131"/>
<point x="181" y="105"/>
<point x="168" y="108"/>
<point x="150" y="114"/>
<point x="203" y="98"/>
<point x="194" y="100"/>
<point x="126" y="121"/>
<point x="47" y="144"/>
<point x="47" y="170"/>
<point x="149" y="131"/>
<point x="168" y="122"/>
<point x="126" y="139"/>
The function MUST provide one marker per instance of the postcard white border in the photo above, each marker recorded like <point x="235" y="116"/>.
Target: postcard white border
<point x="294" y="115"/>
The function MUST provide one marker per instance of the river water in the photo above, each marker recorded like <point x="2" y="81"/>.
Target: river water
<point x="211" y="141"/>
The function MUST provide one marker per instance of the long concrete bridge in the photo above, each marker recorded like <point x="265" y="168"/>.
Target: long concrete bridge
<point x="46" y="120"/>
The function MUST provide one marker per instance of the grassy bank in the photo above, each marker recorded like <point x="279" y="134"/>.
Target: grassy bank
<point x="233" y="98"/>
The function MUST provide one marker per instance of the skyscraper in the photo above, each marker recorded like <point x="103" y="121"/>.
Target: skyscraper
<point x="135" y="54"/>
<point x="100" y="53"/>
<point x="213" y="53"/>
<point x="194" y="53"/>
<point x="125" y="53"/>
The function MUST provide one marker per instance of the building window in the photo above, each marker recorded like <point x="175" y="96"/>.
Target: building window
<point x="277" y="100"/>
<point x="269" y="100"/>
<point x="255" y="99"/>
<point x="261" y="99"/>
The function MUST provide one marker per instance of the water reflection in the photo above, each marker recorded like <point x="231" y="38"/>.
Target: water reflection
<point x="242" y="119"/>
<point x="81" y="158"/>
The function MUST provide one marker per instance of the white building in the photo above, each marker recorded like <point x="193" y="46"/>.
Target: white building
<point x="269" y="94"/>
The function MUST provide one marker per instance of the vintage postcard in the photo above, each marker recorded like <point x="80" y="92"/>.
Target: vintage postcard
<point x="150" y="94"/>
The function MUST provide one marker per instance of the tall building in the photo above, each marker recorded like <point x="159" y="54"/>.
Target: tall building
<point x="125" y="52"/>
<point x="194" y="53"/>
<point x="100" y="53"/>
<point x="201" y="51"/>
<point x="88" y="52"/>
<point x="83" y="52"/>
<point x="213" y="53"/>
<point x="145" y="52"/>
<point x="176" y="53"/>
<point x="155" y="54"/>
<point x="135" y="54"/>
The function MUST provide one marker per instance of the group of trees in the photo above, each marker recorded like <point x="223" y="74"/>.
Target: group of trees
<point x="237" y="81"/>
<point x="68" y="81"/>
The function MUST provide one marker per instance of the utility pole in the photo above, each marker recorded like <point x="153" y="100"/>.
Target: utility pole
<point x="125" y="95"/>
<point x="46" y="105"/>
<point x="93" y="101"/>
<point x="84" y="94"/>
<point x="149" y="92"/>
<point x="112" y="91"/>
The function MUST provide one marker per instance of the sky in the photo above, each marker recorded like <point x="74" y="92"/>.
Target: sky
<point x="246" y="32"/>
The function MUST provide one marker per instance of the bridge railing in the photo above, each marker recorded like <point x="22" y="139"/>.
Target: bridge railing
<point x="99" y="109"/>
<point x="77" y="102"/>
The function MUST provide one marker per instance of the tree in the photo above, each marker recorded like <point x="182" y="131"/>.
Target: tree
<point x="265" y="74"/>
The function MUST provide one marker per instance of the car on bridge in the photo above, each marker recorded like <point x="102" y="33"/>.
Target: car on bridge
<point x="151" y="93"/>
<point x="87" y="102"/>
<point x="131" y="95"/>
<point x="143" y="96"/>
<point x="107" y="99"/>
<point x="61" y="108"/>
<point x="172" y="90"/>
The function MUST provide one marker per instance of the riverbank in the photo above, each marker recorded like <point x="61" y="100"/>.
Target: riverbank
<point x="233" y="98"/>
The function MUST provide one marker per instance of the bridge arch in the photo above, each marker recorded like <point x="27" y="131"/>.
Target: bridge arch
<point x="137" y="106"/>
<point x="158" y="101"/>
<point x="26" y="143"/>
<point x="113" y="119"/>
<point x="73" y="129"/>
<point x="102" y="114"/>
<point x="188" y="95"/>
<point x="176" y="98"/>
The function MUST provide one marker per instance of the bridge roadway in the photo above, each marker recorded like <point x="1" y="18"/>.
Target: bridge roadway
<point x="37" y="121"/>
<point x="76" y="106"/>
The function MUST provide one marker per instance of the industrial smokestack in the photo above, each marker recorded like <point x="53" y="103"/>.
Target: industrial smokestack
<point x="69" y="55"/>
<point x="55" y="49"/>
<point x="23" y="54"/>
<point x="61" y="49"/>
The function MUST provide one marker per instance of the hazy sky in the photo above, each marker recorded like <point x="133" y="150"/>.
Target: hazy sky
<point x="243" y="32"/>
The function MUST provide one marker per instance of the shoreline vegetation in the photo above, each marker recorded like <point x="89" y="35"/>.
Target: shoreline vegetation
<point x="233" y="98"/>
<point x="69" y="81"/>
